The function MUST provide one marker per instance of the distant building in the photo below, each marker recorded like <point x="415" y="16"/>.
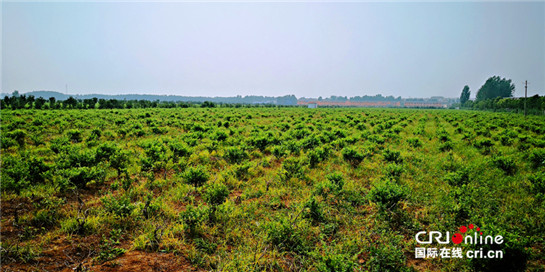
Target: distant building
<point x="435" y="102"/>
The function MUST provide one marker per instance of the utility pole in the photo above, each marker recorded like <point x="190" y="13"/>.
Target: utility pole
<point x="525" y="95"/>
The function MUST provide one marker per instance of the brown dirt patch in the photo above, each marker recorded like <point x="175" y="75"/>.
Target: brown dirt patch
<point x="146" y="262"/>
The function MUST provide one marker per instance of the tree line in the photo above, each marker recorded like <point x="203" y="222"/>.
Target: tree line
<point x="497" y="94"/>
<point x="17" y="101"/>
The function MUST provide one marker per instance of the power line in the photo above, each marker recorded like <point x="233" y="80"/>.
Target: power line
<point x="525" y="95"/>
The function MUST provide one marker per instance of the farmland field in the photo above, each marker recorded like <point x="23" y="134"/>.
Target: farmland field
<point x="244" y="189"/>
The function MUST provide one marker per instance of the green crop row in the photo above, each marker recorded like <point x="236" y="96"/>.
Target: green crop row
<point x="241" y="189"/>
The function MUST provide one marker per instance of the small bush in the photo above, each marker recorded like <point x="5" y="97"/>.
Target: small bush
<point x="120" y="161"/>
<point x="179" y="150"/>
<point x="443" y="137"/>
<point x="458" y="178"/>
<point x="484" y="144"/>
<point x="414" y="142"/>
<point x="235" y="155"/>
<point x="157" y="131"/>
<point x="14" y="174"/>
<point x="538" y="183"/>
<point x="74" y="135"/>
<point x="108" y="250"/>
<point x="193" y="217"/>
<point x="333" y="262"/>
<point x="196" y="176"/>
<point x="446" y="146"/>
<point x="7" y="142"/>
<point x="216" y="194"/>
<point x="337" y="180"/>
<point x="392" y="156"/>
<point x="18" y="135"/>
<point x="155" y="155"/>
<point x="324" y="188"/>
<point x="293" y="147"/>
<point x="120" y="206"/>
<point x="105" y="151"/>
<point x="279" y="152"/>
<point x="16" y="253"/>
<point x="310" y="142"/>
<point x="394" y="171"/>
<point x="506" y="164"/>
<point x="261" y="142"/>
<point x="79" y="225"/>
<point x="313" y="210"/>
<point x="81" y="176"/>
<point x="205" y="245"/>
<point x="75" y="157"/>
<point x="292" y="168"/>
<point x="96" y="133"/>
<point x="220" y="136"/>
<point x="386" y="255"/>
<point x="352" y="156"/>
<point x="537" y="158"/>
<point x="313" y="158"/>
<point x="59" y="144"/>
<point x="506" y="140"/>
<point x="286" y="237"/>
<point x="387" y="194"/>
<point x="44" y="218"/>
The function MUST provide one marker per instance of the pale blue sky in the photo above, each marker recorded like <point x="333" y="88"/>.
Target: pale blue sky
<point x="306" y="49"/>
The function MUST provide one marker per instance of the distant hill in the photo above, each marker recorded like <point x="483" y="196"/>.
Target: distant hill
<point x="377" y="100"/>
<point x="45" y="94"/>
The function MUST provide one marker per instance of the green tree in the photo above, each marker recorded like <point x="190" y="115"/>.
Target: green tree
<point x="52" y="102"/>
<point x="464" y="97"/>
<point x="7" y="102"/>
<point x="70" y="102"/>
<point x="208" y="104"/>
<point x="30" y="101"/>
<point x="39" y="103"/>
<point x="496" y="87"/>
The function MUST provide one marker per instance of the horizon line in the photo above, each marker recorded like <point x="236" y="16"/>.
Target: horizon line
<point x="236" y="95"/>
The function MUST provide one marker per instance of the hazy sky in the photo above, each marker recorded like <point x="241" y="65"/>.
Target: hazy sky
<point x="307" y="49"/>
